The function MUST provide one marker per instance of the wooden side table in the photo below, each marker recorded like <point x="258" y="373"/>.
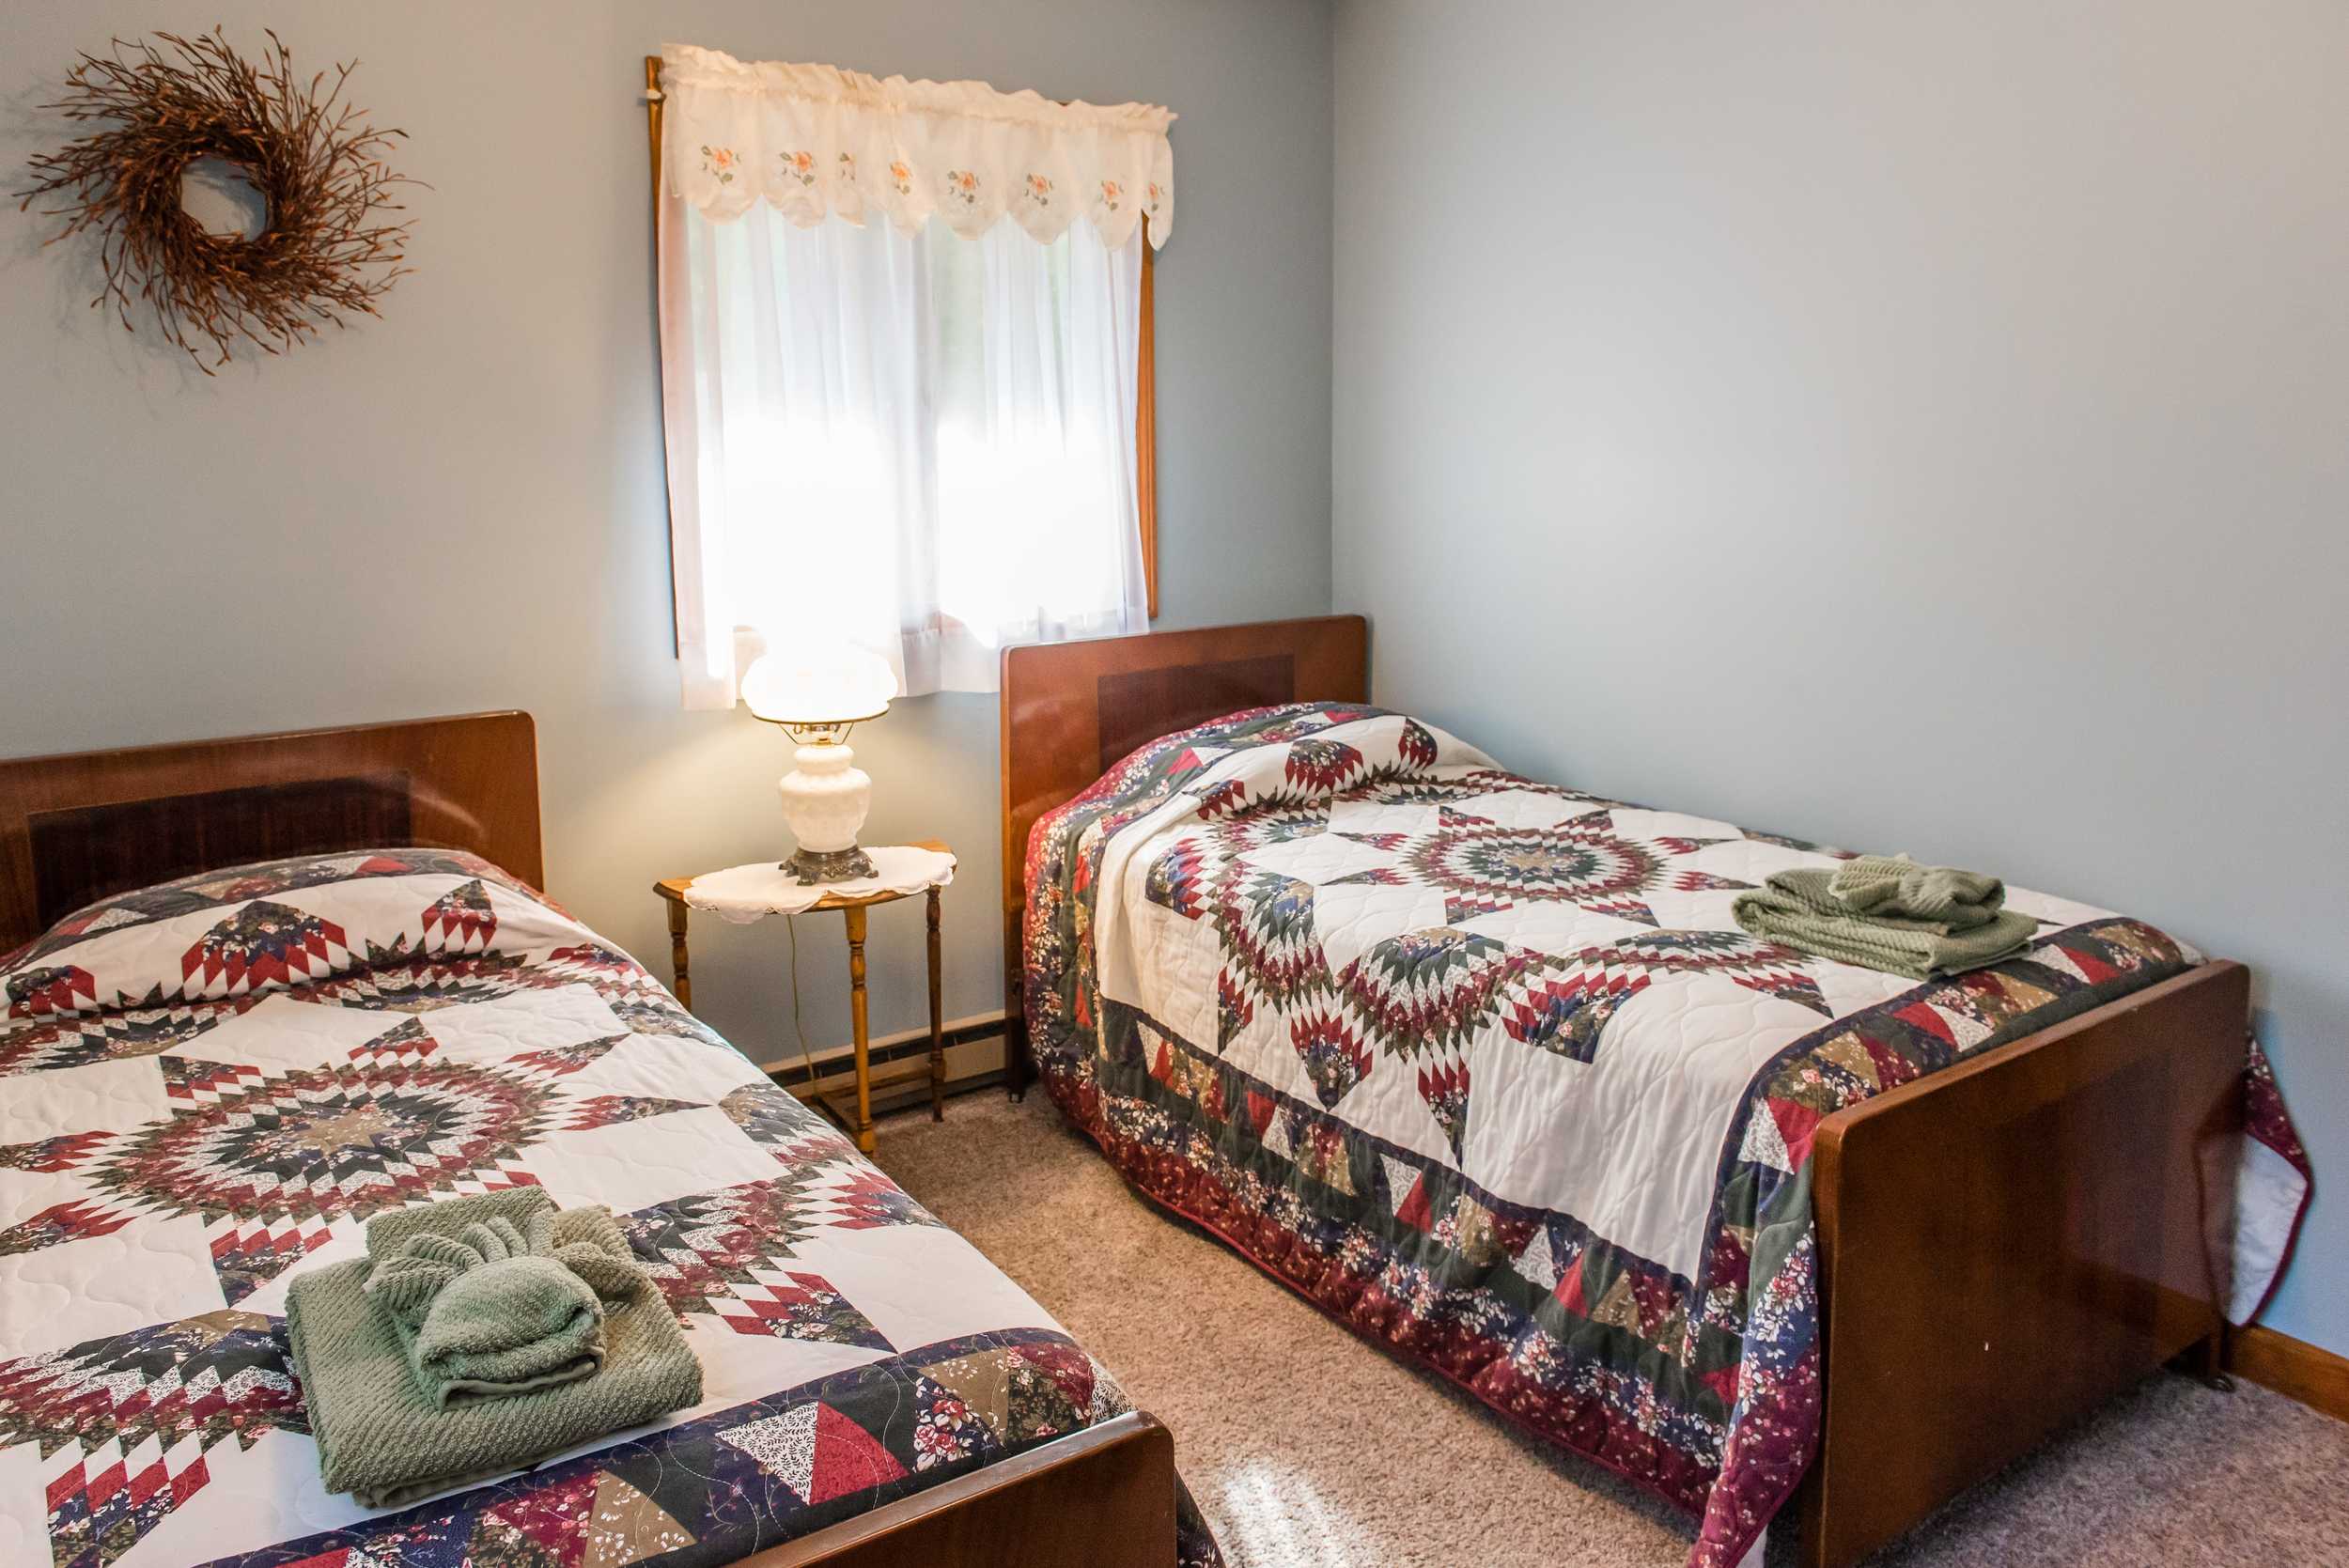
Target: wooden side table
<point x="856" y="1114"/>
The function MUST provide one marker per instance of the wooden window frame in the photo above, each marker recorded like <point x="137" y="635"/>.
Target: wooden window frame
<point x="1146" y="359"/>
<point x="1146" y="427"/>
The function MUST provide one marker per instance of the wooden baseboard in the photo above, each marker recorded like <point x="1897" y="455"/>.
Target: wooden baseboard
<point x="2294" y="1368"/>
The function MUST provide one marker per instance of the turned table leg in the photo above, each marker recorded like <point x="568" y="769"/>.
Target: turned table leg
<point x="681" y="978"/>
<point x="855" y="916"/>
<point x="937" y="1022"/>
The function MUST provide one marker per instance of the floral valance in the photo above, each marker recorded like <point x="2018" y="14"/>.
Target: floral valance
<point x="815" y="140"/>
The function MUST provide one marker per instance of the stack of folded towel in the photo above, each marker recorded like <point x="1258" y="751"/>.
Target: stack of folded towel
<point x="1887" y="912"/>
<point x="478" y="1337"/>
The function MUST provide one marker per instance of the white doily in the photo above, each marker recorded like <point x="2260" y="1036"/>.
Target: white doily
<point x="742" y="893"/>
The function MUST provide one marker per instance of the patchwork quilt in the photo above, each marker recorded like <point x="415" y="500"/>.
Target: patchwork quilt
<point x="1486" y="1068"/>
<point x="209" y="1086"/>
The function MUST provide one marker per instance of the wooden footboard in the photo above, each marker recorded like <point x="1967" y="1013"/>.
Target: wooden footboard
<point x="1103" y="1498"/>
<point x="2006" y="1245"/>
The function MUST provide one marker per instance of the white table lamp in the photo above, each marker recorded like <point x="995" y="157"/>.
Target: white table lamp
<point x="816" y="694"/>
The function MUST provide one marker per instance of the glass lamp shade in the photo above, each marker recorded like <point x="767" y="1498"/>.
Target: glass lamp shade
<point x="818" y="687"/>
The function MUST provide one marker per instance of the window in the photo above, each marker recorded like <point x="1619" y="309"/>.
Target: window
<point x="912" y="418"/>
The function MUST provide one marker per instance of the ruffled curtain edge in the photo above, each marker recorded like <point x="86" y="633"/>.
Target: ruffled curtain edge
<point x="815" y="141"/>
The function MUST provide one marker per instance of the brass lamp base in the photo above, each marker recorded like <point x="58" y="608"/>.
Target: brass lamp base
<point x="830" y="865"/>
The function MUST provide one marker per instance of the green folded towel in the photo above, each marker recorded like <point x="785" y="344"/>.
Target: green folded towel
<point x="1800" y="909"/>
<point x="499" y="1295"/>
<point x="1898" y="887"/>
<point x="491" y="1313"/>
<point x="381" y="1438"/>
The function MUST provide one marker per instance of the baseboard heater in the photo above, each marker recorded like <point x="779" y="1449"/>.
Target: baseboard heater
<point x="834" y="1061"/>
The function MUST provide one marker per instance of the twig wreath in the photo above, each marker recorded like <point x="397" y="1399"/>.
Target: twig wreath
<point x="324" y="249"/>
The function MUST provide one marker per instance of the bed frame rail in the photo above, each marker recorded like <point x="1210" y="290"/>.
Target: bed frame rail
<point x="1103" y="1498"/>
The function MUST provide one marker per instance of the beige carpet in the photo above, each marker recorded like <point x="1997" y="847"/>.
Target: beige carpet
<point x="1308" y="1449"/>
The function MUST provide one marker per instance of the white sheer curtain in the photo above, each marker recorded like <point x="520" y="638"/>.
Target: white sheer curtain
<point x="897" y="435"/>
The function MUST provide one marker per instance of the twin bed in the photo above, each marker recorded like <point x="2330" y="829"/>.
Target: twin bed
<point x="209" y="1079"/>
<point x="1478" y="1064"/>
<point x="1484" y="1067"/>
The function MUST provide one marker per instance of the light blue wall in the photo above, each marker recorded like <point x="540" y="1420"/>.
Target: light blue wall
<point x="1921" y="426"/>
<point x="460" y="505"/>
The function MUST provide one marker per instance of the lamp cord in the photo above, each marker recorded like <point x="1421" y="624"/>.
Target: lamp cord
<point x="807" y="1057"/>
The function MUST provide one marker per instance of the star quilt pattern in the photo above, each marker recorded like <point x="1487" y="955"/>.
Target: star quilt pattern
<point x="209" y="1086"/>
<point x="1486" y="1067"/>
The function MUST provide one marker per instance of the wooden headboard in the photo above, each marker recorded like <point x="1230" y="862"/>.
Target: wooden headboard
<point x="87" y="825"/>
<point x="1071" y="711"/>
